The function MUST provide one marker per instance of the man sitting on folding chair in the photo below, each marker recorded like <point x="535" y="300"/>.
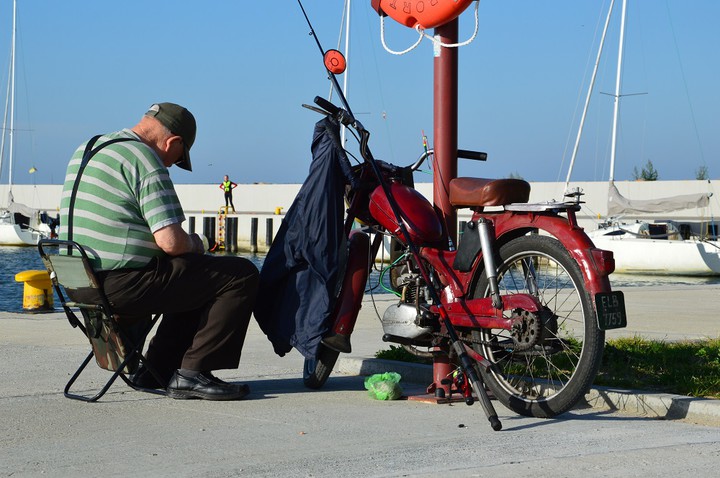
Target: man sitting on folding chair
<point x="120" y="204"/>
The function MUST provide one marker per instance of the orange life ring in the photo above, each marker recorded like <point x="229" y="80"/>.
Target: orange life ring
<point x="423" y="13"/>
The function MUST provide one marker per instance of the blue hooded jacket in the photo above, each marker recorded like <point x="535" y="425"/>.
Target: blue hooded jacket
<point x="303" y="268"/>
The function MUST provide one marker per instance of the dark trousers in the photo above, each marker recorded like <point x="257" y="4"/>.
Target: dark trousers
<point x="206" y="303"/>
<point x="228" y="198"/>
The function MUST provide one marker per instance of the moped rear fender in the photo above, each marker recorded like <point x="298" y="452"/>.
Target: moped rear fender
<point x="596" y="264"/>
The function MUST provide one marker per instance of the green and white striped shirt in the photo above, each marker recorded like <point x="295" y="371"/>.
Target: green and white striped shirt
<point x="125" y="195"/>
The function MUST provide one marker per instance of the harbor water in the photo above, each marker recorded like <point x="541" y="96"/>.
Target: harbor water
<point x="18" y="259"/>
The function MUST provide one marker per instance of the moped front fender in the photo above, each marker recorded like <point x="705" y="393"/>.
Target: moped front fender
<point x="352" y="291"/>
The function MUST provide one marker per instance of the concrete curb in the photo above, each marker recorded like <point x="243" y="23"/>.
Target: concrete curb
<point x="656" y="405"/>
<point x="633" y="402"/>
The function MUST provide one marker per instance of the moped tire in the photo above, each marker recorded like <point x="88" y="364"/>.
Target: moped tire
<point x="316" y="371"/>
<point x="549" y="376"/>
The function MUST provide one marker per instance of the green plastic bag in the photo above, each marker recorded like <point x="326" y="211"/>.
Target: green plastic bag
<point x="384" y="386"/>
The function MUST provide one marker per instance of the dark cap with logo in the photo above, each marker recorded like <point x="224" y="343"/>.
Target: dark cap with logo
<point x="180" y="122"/>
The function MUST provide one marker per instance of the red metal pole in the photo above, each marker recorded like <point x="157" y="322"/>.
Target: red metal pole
<point x="445" y="127"/>
<point x="445" y="114"/>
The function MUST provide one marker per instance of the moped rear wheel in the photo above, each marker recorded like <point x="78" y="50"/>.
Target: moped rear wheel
<point x="316" y="371"/>
<point x="546" y="367"/>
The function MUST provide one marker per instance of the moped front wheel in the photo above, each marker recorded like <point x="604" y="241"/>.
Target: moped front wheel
<point x="317" y="370"/>
<point x="544" y="367"/>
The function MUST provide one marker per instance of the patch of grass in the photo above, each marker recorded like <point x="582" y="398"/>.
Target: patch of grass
<point x="399" y="353"/>
<point x="689" y="368"/>
<point x="685" y="368"/>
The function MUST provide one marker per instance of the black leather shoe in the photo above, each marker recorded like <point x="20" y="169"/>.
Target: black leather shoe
<point x="205" y="386"/>
<point x="144" y="379"/>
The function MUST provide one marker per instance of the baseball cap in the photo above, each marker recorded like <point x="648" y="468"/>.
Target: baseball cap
<point x="180" y="122"/>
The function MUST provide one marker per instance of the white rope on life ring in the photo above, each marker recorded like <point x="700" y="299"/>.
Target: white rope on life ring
<point x="422" y="34"/>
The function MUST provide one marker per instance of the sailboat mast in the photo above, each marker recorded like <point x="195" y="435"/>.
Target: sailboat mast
<point x="589" y="94"/>
<point x="618" y="82"/>
<point x="344" y="28"/>
<point x="12" y="96"/>
<point x="4" y="123"/>
<point x="347" y="67"/>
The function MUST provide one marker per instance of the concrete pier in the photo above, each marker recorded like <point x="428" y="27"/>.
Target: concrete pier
<point x="284" y="429"/>
<point x="272" y="201"/>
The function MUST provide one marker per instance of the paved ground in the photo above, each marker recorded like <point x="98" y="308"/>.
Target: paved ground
<point x="283" y="429"/>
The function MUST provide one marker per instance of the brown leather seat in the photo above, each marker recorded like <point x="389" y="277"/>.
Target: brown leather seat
<point x="478" y="192"/>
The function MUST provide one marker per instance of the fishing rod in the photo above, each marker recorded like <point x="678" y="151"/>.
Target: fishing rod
<point x="460" y="349"/>
<point x="333" y="78"/>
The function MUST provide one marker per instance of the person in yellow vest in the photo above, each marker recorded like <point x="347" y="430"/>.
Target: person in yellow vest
<point x="227" y="186"/>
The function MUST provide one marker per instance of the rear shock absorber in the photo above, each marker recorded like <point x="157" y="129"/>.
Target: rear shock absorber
<point x="487" y="245"/>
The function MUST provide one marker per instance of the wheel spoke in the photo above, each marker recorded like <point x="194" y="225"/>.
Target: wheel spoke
<point x="545" y="359"/>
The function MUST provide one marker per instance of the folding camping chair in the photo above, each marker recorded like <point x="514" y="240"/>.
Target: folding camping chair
<point x="116" y="345"/>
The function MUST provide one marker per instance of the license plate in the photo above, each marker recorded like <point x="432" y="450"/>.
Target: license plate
<point x="610" y="310"/>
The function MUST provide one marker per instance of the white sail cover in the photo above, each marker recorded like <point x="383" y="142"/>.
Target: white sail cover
<point x="15" y="207"/>
<point x="618" y="204"/>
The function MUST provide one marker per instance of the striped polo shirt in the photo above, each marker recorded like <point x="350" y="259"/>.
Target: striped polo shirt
<point x="125" y="194"/>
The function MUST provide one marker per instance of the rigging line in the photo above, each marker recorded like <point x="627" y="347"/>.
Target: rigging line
<point x="11" y="133"/>
<point x="386" y="122"/>
<point x="332" y="77"/>
<point x="14" y="129"/>
<point x="339" y="43"/>
<point x="685" y="86"/>
<point x="577" y="101"/>
<point x="4" y="125"/>
<point x="342" y="24"/>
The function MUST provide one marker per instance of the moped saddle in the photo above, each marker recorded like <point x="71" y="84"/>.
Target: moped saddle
<point x="478" y="193"/>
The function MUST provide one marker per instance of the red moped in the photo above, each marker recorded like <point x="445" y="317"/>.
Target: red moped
<point x="520" y="306"/>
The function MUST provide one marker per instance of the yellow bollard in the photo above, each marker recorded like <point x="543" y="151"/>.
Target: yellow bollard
<point x="37" y="293"/>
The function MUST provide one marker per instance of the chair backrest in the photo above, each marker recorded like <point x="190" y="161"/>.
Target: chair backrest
<point x="70" y="271"/>
<point x="78" y="287"/>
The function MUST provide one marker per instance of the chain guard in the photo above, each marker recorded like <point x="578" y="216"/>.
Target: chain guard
<point x="535" y="329"/>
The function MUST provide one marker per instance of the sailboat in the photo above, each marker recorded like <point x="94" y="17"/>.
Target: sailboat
<point x="19" y="225"/>
<point x="661" y="247"/>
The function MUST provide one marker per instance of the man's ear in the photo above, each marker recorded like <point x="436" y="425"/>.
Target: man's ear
<point x="172" y="140"/>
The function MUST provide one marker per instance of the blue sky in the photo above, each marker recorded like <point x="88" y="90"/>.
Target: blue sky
<point x="244" y="68"/>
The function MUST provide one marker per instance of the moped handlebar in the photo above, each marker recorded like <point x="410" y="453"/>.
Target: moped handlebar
<point x="462" y="153"/>
<point x="416" y="165"/>
<point x="326" y="105"/>
<point x="343" y="116"/>
<point x="474" y="155"/>
<point x="347" y="119"/>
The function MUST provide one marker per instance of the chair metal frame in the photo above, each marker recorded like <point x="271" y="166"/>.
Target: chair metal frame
<point x="70" y="269"/>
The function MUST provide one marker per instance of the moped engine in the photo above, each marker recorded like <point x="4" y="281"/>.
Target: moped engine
<point x="401" y="320"/>
<point x="409" y="318"/>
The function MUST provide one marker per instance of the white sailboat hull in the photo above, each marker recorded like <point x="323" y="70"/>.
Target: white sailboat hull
<point x="13" y="235"/>
<point x="635" y="255"/>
